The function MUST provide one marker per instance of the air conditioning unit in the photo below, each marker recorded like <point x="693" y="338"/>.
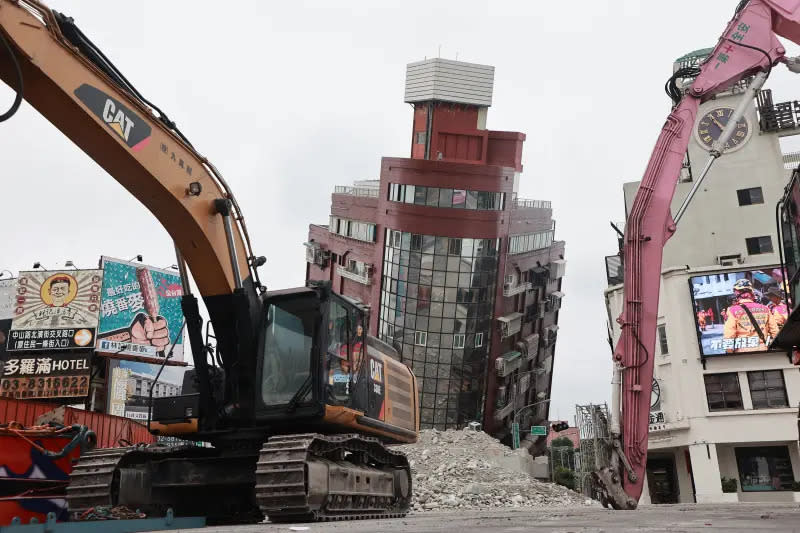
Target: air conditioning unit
<point x="542" y="309"/>
<point x="507" y="286"/>
<point x="730" y="260"/>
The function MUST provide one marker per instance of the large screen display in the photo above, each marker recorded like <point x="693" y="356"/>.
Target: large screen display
<point x="738" y="312"/>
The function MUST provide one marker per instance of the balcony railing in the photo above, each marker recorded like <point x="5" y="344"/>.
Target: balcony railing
<point x="791" y="160"/>
<point x="511" y="290"/>
<point x="780" y="117"/>
<point x="363" y="278"/>
<point x="520" y="203"/>
<point x="356" y="191"/>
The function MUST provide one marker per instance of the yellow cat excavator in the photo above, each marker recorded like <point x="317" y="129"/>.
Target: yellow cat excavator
<point x="298" y="402"/>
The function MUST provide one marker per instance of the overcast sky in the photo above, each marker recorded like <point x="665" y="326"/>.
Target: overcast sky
<point x="290" y="99"/>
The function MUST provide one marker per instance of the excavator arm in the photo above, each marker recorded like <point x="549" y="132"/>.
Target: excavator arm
<point x="748" y="47"/>
<point x="56" y="68"/>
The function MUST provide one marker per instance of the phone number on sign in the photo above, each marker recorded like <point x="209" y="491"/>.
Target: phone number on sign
<point x="53" y="387"/>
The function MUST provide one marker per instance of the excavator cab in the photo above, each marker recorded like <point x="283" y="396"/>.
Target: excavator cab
<point x="316" y="369"/>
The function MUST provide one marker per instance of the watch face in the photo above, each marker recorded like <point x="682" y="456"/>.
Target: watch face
<point x="710" y="126"/>
<point x="655" y="394"/>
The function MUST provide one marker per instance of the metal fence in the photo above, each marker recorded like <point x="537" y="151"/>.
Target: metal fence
<point x="595" y="448"/>
<point x="520" y="203"/>
<point x="356" y="191"/>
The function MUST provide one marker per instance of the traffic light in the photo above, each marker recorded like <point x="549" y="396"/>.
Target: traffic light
<point x="557" y="427"/>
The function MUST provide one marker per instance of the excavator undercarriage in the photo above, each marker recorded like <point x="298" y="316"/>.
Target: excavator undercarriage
<point x="291" y="478"/>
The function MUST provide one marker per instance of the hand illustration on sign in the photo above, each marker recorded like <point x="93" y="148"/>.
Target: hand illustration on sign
<point x="146" y="330"/>
<point x="150" y="328"/>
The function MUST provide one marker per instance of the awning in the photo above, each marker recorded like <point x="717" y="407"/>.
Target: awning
<point x="764" y="279"/>
<point x="510" y="356"/>
<point x="511" y="317"/>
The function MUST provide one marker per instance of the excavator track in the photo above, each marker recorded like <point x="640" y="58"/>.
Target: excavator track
<point x="314" y="477"/>
<point x="91" y="480"/>
<point x="156" y="478"/>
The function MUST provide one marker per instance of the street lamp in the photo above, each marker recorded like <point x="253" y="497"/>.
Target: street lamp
<point x="3" y="273"/>
<point x="70" y="264"/>
<point x="37" y="264"/>
<point x="136" y="257"/>
<point x="515" y="426"/>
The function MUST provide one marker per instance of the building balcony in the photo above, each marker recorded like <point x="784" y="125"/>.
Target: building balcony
<point x="782" y="118"/>
<point x="369" y="192"/>
<point x="363" y="277"/>
<point x="504" y="412"/>
<point x="510" y="324"/>
<point x="507" y="363"/>
<point x="511" y="290"/>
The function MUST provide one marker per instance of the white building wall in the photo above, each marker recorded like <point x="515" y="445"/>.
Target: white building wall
<point x="714" y="225"/>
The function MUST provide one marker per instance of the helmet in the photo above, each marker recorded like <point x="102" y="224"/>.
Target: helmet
<point x="743" y="285"/>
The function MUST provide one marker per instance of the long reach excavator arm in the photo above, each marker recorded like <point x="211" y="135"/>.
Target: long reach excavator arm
<point x="59" y="71"/>
<point x="748" y="48"/>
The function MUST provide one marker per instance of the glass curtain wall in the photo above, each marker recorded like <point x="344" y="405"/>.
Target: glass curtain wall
<point x="437" y="297"/>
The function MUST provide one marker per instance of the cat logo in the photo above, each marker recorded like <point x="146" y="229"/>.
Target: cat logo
<point x="120" y="119"/>
<point x="117" y="120"/>
<point x="376" y="370"/>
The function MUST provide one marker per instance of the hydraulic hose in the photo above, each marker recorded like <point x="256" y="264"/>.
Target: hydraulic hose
<point x="18" y="98"/>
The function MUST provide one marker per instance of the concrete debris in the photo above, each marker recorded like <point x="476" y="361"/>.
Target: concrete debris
<point x="471" y="470"/>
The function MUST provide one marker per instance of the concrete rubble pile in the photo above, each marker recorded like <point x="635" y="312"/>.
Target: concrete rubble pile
<point x="471" y="470"/>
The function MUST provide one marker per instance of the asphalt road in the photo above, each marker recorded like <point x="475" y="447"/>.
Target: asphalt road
<point x="673" y="518"/>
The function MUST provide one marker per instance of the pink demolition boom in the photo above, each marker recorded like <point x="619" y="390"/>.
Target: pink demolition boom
<point x="748" y="47"/>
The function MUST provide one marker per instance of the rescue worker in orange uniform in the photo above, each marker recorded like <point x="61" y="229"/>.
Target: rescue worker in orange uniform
<point x="740" y="334"/>
<point x="701" y="319"/>
<point x="777" y="304"/>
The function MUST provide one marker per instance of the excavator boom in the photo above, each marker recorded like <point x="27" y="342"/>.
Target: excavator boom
<point x="747" y="47"/>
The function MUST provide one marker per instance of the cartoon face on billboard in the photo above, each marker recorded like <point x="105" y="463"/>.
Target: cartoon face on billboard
<point x="55" y="310"/>
<point x="59" y="290"/>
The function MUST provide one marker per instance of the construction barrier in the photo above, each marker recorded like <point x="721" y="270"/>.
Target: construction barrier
<point x="112" y="431"/>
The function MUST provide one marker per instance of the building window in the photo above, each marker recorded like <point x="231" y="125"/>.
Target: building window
<point x="478" y="340"/>
<point x="416" y="243"/>
<point x="454" y="247"/>
<point x="722" y="391"/>
<point x="422" y="137"/>
<point x="420" y="338"/>
<point x="519" y="244"/>
<point x="362" y="231"/>
<point x="509" y="279"/>
<point x="458" y="340"/>
<point x="765" y="468"/>
<point x="750" y="196"/>
<point x="662" y="339"/>
<point x="759" y="245"/>
<point x="767" y="389"/>
<point x="449" y="198"/>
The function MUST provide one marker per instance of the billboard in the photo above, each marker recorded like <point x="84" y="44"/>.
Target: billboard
<point x="738" y="312"/>
<point x="130" y="387"/>
<point x="50" y="375"/>
<point x="55" y="310"/>
<point x="7" y="291"/>
<point x="140" y="311"/>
